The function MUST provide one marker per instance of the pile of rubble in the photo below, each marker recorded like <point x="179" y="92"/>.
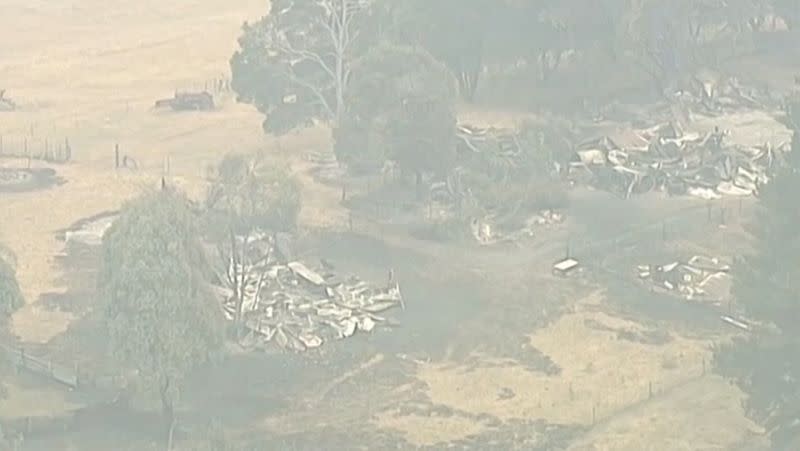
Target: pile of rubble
<point x="701" y="278"/>
<point x="665" y="158"/>
<point x="90" y="231"/>
<point x="486" y="231"/>
<point x="297" y="308"/>
<point x="710" y="93"/>
<point x="504" y="143"/>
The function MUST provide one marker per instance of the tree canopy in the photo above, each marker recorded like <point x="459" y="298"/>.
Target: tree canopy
<point x="246" y="193"/>
<point x="294" y="64"/>
<point x="160" y="315"/>
<point x="401" y="108"/>
<point x="767" y="283"/>
<point x="11" y="297"/>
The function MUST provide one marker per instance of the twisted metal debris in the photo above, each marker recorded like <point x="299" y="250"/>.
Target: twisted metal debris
<point x="701" y="165"/>
<point x="701" y="278"/>
<point x="296" y="308"/>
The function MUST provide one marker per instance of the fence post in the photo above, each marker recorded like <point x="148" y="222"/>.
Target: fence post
<point x="1" y="144"/>
<point x="116" y="156"/>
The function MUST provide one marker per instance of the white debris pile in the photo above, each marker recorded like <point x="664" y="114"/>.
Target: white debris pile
<point x="490" y="230"/>
<point x="91" y="232"/>
<point x="701" y="278"/>
<point x="665" y="158"/>
<point x="545" y="218"/>
<point x="296" y="308"/>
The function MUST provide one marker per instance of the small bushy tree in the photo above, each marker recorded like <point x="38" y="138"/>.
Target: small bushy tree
<point x="161" y="317"/>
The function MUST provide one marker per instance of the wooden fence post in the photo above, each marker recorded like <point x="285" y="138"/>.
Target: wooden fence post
<point x="116" y="156"/>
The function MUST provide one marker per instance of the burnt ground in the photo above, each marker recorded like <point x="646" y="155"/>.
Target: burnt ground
<point x="461" y="299"/>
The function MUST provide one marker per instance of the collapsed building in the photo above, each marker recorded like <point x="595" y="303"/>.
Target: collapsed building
<point x="285" y="303"/>
<point x="700" y="278"/>
<point x="491" y="159"/>
<point x="667" y="159"/>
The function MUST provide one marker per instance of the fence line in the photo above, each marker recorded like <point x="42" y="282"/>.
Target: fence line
<point x="45" y="149"/>
<point x="43" y="367"/>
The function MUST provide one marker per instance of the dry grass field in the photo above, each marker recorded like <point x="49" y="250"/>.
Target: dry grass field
<point x="634" y="395"/>
<point x="90" y="71"/>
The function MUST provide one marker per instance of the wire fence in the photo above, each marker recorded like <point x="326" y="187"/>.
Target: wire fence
<point x="21" y="359"/>
<point x="51" y="140"/>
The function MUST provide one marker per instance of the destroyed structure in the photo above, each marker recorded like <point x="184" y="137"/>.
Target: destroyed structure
<point x="293" y="307"/>
<point x="635" y="160"/>
<point x="188" y="101"/>
<point x="664" y="158"/>
<point x="500" y="155"/>
<point x="701" y="278"/>
<point x="90" y="232"/>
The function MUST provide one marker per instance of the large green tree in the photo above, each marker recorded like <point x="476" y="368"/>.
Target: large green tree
<point x="294" y="64"/>
<point x="453" y="31"/>
<point x="767" y="284"/>
<point x="401" y="108"/>
<point x="160" y="315"/>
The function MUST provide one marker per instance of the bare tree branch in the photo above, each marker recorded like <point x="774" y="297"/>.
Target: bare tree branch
<point x="315" y="90"/>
